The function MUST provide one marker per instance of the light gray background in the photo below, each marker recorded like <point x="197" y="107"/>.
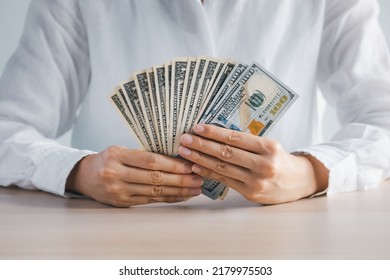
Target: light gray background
<point x="13" y="13"/>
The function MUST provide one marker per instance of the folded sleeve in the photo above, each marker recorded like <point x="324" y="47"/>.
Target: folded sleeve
<point x="354" y="76"/>
<point x="40" y="91"/>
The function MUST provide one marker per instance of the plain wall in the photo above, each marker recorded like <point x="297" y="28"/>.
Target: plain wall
<point x="13" y="13"/>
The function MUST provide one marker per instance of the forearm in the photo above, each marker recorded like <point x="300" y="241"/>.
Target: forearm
<point x="31" y="161"/>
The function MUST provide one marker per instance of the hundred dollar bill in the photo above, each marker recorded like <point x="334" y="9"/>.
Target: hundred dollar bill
<point x="202" y="89"/>
<point x="141" y="83"/>
<point x="159" y="76"/>
<point x="211" y="95"/>
<point x="167" y="94"/>
<point x="118" y="100"/>
<point x="186" y="92"/>
<point x="255" y="102"/>
<point x="134" y="102"/>
<point x="155" y="108"/>
<point x="200" y="95"/>
<point x="179" y="67"/>
<point x="221" y="95"/>
<point x="201" y="64"/>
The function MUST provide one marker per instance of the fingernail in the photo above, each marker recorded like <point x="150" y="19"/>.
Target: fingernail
<point x="187" y="139"/>
<point x="196" y="169"/>
<point x="195" y="192"/>
<point x="197" y="181"/>
<point x="188" y="167"/>
<point x="198" y="128"/>
<point x="184" y="151"/>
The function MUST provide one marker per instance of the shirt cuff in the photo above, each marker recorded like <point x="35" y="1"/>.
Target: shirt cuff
<point x="53" y="170"/>
<point x="339" y="163"/>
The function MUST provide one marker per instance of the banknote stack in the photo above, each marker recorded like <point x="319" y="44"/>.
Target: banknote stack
<point x="161" y="103"/>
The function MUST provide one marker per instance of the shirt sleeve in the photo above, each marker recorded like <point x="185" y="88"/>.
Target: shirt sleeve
<point x="354" y="76"/>
<point x="40" y="92"/>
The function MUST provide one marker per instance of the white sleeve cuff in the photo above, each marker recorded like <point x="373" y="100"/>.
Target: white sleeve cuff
<point x="54" y="169"/>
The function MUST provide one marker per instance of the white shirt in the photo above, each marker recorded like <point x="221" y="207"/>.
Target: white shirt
<point x="73" y="53"/>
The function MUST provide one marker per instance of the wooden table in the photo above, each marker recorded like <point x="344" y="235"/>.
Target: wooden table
<point x="37" y="225"/>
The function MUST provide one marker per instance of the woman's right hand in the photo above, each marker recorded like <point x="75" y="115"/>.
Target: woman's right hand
<point x="122" y="177"/>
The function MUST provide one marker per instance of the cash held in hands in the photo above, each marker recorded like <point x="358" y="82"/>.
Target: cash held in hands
<point x="161" y="103"/>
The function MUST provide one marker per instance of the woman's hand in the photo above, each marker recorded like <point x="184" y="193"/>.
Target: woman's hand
<point x="122" y="177"/>
<point x="256" y="167"/>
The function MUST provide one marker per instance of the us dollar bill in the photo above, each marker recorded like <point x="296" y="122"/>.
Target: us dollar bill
<point x="117" y="98"/>
<point x="141" y="83"/>
<point x="134" y="102"/>
<point x="202" y="89"/>
<point x="167" y="94"/>
<point x="201" y="63"/>
<point x="211" y="96"/>
<point x="155" y="108"/>
<point x="179" y="67"/>
<point x="255" y="103"/>
<point x="159" y="76"/>
<point x="186" y="93"/>
<point x="222" y="93"/>
<point x="200" y="95"/>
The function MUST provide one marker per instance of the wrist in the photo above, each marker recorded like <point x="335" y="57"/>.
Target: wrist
<point x="73" y="181"/>
<point x="319" y="173"/>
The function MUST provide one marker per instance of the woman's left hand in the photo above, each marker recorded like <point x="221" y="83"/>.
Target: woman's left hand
<point x="257" y="167"/>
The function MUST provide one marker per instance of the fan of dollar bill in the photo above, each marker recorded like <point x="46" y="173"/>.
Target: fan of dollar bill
<point x="161" y="103"/>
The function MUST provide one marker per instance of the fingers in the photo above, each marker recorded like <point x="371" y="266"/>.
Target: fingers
<point x="153" y="177"/>
<point x="125" y="195"/>
<point x="162" y="191"/>
<point x="154" y="161"/>
<point x="224" y="152"/>
<point x="235" y="184"/>
<point x="241" y="140"/>
<point x="141" y="200"/>
<point x="220" y="167"/>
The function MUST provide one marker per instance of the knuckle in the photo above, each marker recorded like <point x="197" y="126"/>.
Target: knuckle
<point x="180" y="192"/>
<point x="181" y="180"/>
<point x="233" y="137"/>
<point x="152" y="161"/>
<point x="226" y="151"/>
<point x="175" y="167"/>
<point x="107" y="174"/>
<point x="112" y="190"/>
<point x="196" y="157"/>
<point x="155" y="177"/>
<point x="256" y="190"/>
<point x="202" y="144"/>
<point x="157" y="191"/>
<point x="252" y="197"/>
<point x="274" y="147"/>
<point x="220" y="166"/>
<point x="258" y="184"/>
<point x="271" y="169"/>
<point x="210" y="131"/>
<point x="112" y="152"/>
